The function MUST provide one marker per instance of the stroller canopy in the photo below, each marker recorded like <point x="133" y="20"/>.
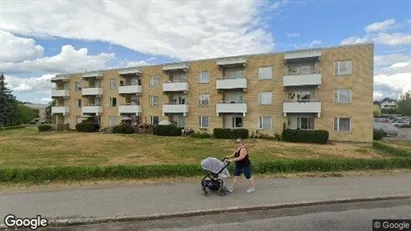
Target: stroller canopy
<point x="214" y="165"/>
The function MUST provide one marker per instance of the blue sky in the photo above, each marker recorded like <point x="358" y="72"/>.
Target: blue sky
<point x="96" y="35"/>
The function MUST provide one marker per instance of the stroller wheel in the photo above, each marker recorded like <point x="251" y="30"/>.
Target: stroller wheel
<point x="223" y="191"/>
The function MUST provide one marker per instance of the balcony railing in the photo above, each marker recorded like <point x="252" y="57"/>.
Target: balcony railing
<point x="225" y="107"/>
<point x="129" y="108"/>
<point x="292" y="73"/>
<point x="175" y="86"/>
<point x="60" y="110"/>
<point x="231" y="83"/>
<point x="172" y="108"/>
<point x="130" y="89"/>
<point x="92" y="91"/>
<point x="60" y="92"/>
<point x="92" y="109"/>
<point x="296" y="107"/>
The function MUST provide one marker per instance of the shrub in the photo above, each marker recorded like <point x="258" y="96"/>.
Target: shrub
<point x="226" y="133"/>
<point x="203" y="135"/>
<point x="44" y="128"/>
<point x="277" y="136"/>
<point x="305" y="136"/>
<point x="378" y="134"/>
<point x="123" y="129"/>
<point x="167" y="130"/>
<point x="87" y="126"/>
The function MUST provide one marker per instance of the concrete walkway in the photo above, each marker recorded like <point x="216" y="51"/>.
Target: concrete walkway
<point x="182" y="197"/>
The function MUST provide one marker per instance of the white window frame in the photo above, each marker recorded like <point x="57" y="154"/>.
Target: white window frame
<point x="151" y="100"/>
<point x="77" y="85"/>
<point x="111" y="102"/>
<point x="337" y="95"/>
<point x="261" y="122"/>
<point x="307" y="117"/>
<point x="337" y="122"/>
<point x="201" y="77"/>
<point x="77" y="103"/>
<point x="265" y="73"/>
<point x="202" y="98"/>
<point x="152" y="119"/>
<point x="337" y="67"/>
<point x="260" y="98"/>
<point x="113" y="83"/>
<point x="200" y="121"/>
<point x="152" y="78"/>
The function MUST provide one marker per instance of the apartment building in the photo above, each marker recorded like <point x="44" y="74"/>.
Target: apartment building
<point x="326" y="88"/>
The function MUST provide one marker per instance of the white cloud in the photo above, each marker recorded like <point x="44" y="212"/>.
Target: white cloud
<point x="380" y="26"/>
<point x="31" y="84"/>
<point x="390" y="59"/>
<point x="291" y="35"/>
<point x="376" y="32"/>
<point x="69" y="60"/>
<point x="278" y="4"/>
<point x="16" y="49"/>
<point x="192" y="30"/>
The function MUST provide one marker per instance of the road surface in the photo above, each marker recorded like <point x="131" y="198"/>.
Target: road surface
<point x="351" y="216"/>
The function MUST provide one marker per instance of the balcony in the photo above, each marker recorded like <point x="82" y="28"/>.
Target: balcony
<point x="92" y="109"/>
<point x="227" y="83"/>
<point x="176" y="67"/>
<point x="94" y="74"/>
<point x="303" y="55"/>
<point x="293" y="80"/>
<point x="232" y="62"/>
<point x="92" y="91"/>
<point x="130" y="89"/>
<point x="308" y="107"/>
<point x="60" y="110"/>
<point x="129" y="109"/>
<point x="65" y="93"/>
<point x="175" y="108"/>
<point x="60" y="78"/>
<point x="229" y="107"/>
<point x="175" y="87"/>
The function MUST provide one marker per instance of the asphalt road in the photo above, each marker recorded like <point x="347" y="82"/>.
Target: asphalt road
<point x="351" y="216"/>
<point x="404" y="135"/>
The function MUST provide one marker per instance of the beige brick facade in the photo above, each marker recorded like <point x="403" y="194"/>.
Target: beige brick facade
<point x="359" y="110"/>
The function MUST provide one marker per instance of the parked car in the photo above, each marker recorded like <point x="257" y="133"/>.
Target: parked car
<point x="400" y="123"/>
<point x="388" y="129"/>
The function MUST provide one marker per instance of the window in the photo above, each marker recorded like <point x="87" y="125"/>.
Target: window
<point x="232" y="73"/>
<point x="237" y="122"/>
<point x="204" y="99"/>
<point x="343" y="96"/>
<point x="305" y="123"/>
<point x="113" y="84"/>
<point x="265" y="73"/>
<point x="304" y="96"/>
<point x="266" y="123"/>
<point x="265" y="98"/>
<point x="305" y="70"/>
<point x="342" y="124"/>
<point x="154" y="120"/>
<point x="204" y="77"/>
<point x="113" y="102"/>
<point x="78" y="102"/>
<point x="78" y="86"/>
<point x="154" y="81"/>
<point x="343" y="67"/>
<point x="153" y="100"/>
<point x="204" y="122"/>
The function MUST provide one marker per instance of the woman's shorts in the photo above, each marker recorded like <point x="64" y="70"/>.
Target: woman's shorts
<point x="243" y="170"/>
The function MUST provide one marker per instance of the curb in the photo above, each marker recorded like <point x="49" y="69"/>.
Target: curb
<point x="192" y="213"/>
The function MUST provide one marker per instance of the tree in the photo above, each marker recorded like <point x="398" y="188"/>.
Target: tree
<point x="404" y="104"/>
<point x="49" y="117"/>
<point x="25" y="114"/>
<point x="8" y="104"/>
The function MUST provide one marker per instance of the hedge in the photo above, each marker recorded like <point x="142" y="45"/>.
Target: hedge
<point x="203" y="135"/>
<point x="391" y="151"/>
<point x="226" y="133"/>
<point x="44" y="128"/>
<point x="123" y="129"/>
<point x="12" y="127"/>
<point x="158" y="171"/>
<point x="305" y="136"/>
<point x="378" y="134"/>
<point x="87" y="127"/>
<point x="167" y="130"/>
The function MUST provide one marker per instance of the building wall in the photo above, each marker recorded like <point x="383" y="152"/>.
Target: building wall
<point x="360" y="110"/>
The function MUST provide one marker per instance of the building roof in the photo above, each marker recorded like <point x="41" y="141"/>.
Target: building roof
<point x="227" y="57"/>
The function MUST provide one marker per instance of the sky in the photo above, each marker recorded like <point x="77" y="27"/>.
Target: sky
<point x="39" y="39"/>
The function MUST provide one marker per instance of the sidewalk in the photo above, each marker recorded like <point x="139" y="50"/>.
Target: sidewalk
<point x="182" y="197"/>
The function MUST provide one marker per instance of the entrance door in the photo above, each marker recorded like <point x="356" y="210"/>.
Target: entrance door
<point x="112" y="121"/>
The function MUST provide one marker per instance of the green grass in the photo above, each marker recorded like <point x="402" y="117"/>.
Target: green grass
<point x="390" y="150"/>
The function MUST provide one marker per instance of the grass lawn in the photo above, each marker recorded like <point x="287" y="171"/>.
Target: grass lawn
<point x="405" y="145"/>
<point x="29" y="148"/>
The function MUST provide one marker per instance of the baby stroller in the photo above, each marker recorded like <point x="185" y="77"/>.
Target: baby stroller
<point x="216" y="172"/>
